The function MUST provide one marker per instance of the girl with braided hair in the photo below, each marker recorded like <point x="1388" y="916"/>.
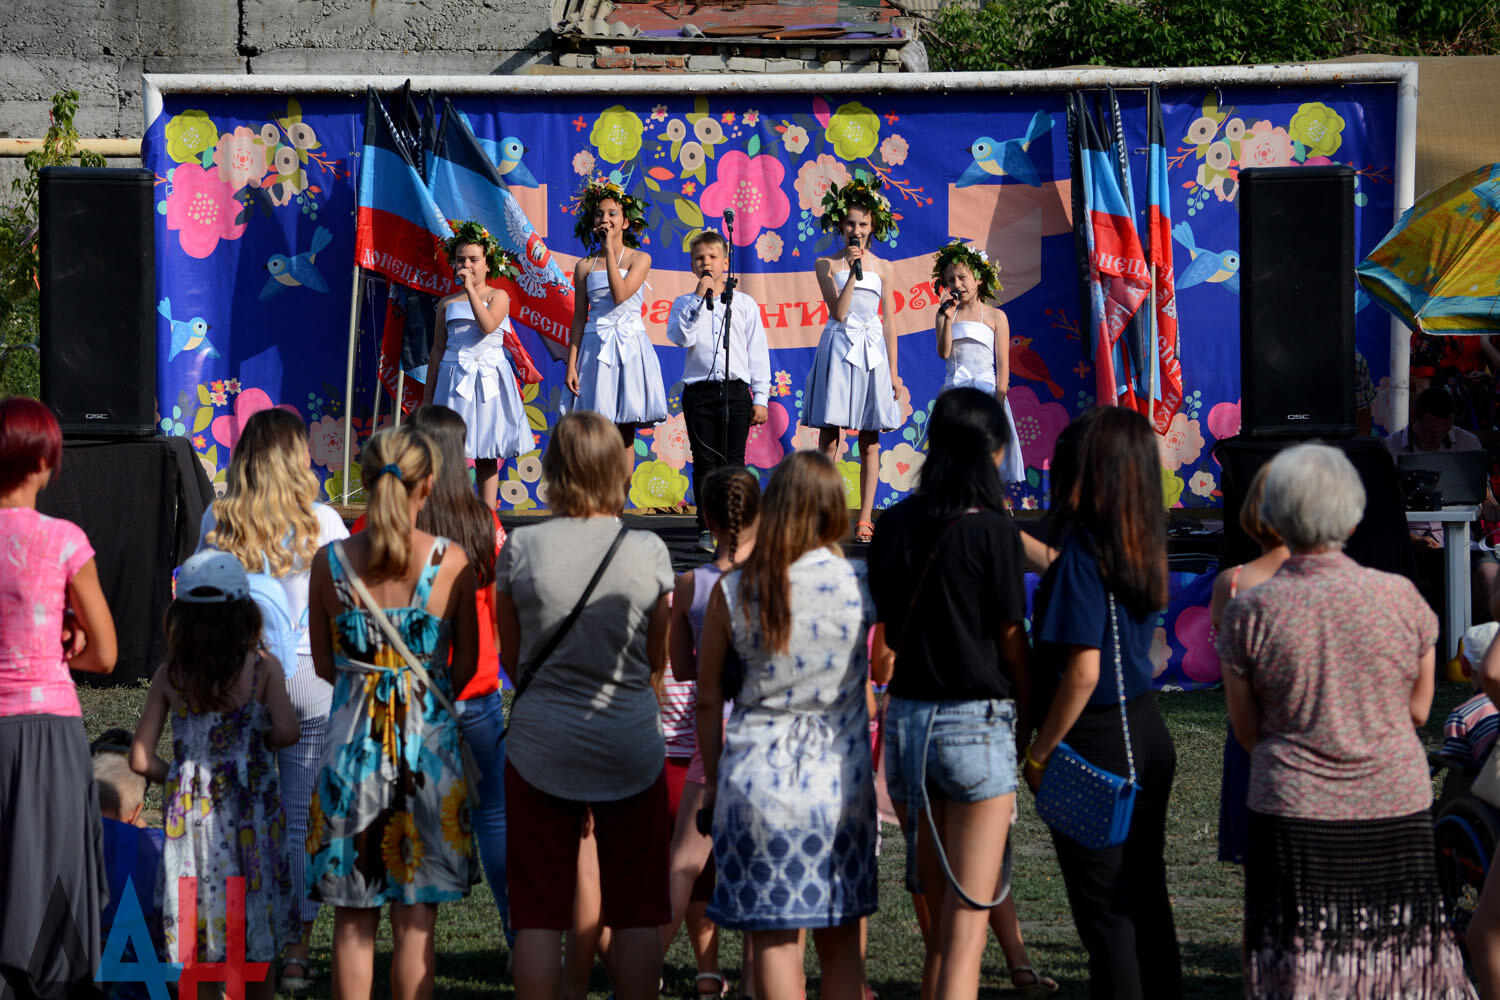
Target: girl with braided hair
<point x="974" y="338"/>
<point x="853" y="382"/>
<point x="474" y="377"/>
<point x="731" y="500"/>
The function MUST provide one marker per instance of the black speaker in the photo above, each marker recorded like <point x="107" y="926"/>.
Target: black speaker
<point x="98" y="282"/>
<point x="1297" y="302"/>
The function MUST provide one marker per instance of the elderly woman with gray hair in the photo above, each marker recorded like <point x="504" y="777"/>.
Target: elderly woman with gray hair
<point x="1330" y="671"/>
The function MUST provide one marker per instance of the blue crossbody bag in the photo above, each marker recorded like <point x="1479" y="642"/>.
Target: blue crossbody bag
<point x="1086" y="803"/>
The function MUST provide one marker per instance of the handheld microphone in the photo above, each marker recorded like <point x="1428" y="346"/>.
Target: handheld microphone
<point x="859" y="272"/>
<point x="708" y="299"/>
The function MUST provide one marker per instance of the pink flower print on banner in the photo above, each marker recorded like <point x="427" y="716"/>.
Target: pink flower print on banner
<point x="226" y="429"/>
<point x="670" y="442"/>
<point x="1199" y="660"/>
<point x="241" y="158"/>
<point x="202" y="209"/>
<point x="794" y="138"/>
<point x="1264" y="146"/>
<point x="763" y="444"/>
<point x="752" y="187"/>
<point x="583" y="163"/>
<point x="325" y="442"/>
<point x="806" y="439"/>
<point x="1037" y="425"/>
<point x="893" y="150"/>
<point x="769" y="246"/>
<point x="1224" y="420"/>
<point x="814" y="180"/>
<point x="1182" y="444"/>
<point x="1161" y="652"/>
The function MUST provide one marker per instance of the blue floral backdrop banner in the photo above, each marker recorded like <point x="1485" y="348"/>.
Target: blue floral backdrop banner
<point x="255" y="248"/>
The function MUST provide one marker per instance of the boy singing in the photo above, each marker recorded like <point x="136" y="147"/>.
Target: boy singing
<point x="697" y="323"/>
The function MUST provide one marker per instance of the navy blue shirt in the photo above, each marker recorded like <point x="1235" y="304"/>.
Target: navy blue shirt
<point x="1072" y="609"/>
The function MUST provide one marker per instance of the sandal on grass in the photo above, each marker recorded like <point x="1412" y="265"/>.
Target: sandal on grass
<point x="864" y="531"/>
<point x="297" y="983"/>
<point x="1038" y="985"/>
<point x="719" y="989"/>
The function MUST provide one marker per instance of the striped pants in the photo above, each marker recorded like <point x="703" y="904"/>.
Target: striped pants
<point x="312" y="697"/>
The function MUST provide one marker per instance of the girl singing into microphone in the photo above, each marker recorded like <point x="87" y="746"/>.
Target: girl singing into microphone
<point x="612" y="367"/>
<point x="853" y="382"/>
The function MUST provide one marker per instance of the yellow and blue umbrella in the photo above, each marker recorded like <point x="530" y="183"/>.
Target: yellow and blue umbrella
<point x="1439" y="266"/>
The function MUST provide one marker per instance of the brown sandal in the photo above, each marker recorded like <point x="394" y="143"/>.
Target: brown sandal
<point x="864" y="531"/>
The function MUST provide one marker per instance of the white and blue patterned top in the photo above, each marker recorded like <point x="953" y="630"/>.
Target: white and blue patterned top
<point x="795" y="823"/>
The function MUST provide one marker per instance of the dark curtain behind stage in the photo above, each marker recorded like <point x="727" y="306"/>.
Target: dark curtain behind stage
<point x="140" y="502"/>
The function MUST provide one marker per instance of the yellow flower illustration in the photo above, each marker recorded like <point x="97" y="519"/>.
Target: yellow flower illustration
<point x="854" y="131"/>
<point x="1318" y="127"/>
<point x="401" y="848"/>
<point x="657" y="484"/>
<point x="316" y="825"/>
<point x="850" y="472"/>
<point x="189" y="134"/>
<point x="617" y="134"/>
<point x="457" y="829"/>
<point x="1171" y="487"/>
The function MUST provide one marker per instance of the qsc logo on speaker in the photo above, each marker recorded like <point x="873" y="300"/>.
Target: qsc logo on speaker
<point x="96" y="416"/>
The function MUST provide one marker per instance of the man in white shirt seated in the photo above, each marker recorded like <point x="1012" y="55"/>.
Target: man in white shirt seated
<point x="697" y="323"/>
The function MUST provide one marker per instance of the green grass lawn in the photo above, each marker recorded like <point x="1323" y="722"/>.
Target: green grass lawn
<point x="1206" y="895"/>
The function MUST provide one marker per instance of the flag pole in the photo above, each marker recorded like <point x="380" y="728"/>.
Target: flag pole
<point x="1153" y="355"/>
<point x="358" y="283"/>
<point x="400" y="391"/>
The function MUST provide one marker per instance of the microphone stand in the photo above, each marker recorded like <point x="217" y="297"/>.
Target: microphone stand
<point x="727" y="298"/>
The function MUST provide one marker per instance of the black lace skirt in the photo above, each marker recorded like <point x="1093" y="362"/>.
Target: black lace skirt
<point x="1347" y="908"/>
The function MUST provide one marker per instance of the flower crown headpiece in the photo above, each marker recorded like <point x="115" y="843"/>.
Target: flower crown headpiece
<point x="588" y="199"/>
<point x="978" y="263"/>
<point x="502" y="263"/>
<point x="859" y="193"/>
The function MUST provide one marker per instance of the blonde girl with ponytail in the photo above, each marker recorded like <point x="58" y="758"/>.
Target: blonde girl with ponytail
<point x="390" y="821"/>
<point x="269" y="519"/>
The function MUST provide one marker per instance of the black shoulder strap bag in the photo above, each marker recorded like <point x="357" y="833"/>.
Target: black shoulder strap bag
<point x="528" y="673"/>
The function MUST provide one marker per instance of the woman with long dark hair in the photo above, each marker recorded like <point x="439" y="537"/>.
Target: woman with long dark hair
<point x="945" y="570"/>
<point x="1094" y="618"/>
<point x="789" y="779"/>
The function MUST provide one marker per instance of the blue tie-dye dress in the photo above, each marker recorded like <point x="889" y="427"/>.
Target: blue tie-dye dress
<point x="795" y="824"/>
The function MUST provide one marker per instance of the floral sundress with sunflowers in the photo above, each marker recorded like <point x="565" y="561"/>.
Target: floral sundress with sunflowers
<point x="224" y="819"/>
<point x="389" y="818"/>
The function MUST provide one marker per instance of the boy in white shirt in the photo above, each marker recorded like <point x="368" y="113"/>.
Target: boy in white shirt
<point x="697" y="323"/>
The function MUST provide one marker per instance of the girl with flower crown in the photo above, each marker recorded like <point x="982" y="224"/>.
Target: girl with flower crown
<point x="974" y="338"/>
<point x="612" y="367"/>
<point x="853" y="382"/>
<point x="475" y="378"/>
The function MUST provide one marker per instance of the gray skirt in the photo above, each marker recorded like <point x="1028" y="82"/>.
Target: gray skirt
<point x="52" y="878"/>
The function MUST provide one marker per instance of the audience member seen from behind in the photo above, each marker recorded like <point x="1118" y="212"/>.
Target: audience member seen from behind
<point x="789" y="781"/>
<point x="1483" y="934"/>
<point x="585" y="735"/>
<point x="390" y="818"/>
<point x="1097" y="607"/>
<point x="945" y="570"/>
<point x="269" y="519"/>
<point x="132" y="852"/>
<point x="731" y="506"/>
<point x="53" y="617"/>
<point x="1234" y="785"/>
<point x="1341" y="890"/>
<point x="230" y="712"/>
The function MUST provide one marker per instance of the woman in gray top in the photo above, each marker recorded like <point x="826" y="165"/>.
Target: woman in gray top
<point x="587" y="735"/>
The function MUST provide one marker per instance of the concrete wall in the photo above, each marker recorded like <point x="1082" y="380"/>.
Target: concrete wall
<point x="100" y="48"/>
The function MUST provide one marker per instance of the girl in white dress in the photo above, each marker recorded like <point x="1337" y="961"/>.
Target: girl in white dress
<point x="474" y="377"/>
<point x="612" y="367"/>
<point x="853" y="382"/>
<point x="975" y="338"/>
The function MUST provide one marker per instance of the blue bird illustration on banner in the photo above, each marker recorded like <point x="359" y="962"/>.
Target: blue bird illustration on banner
<point x="291" y="272"/>
<point x="1217" y="267"/>
<point x="189" y="335"/>
<point x="1007" y="158"/>
<point x="509" y="163"/>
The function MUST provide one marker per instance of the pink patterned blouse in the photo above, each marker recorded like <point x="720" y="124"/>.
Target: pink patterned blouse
<point x="38" y="556"/>
<point x="1330" y="649"/>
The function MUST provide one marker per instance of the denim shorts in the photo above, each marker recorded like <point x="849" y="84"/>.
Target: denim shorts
<point x="971" y="752"/>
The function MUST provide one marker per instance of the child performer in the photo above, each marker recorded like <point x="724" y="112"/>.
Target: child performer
<point x="475" y="378"/>
<point x="975" y="338"/>
<point x="697" y="323"/>
<point x="612" y="367"/>
<point x="853" y="382"/>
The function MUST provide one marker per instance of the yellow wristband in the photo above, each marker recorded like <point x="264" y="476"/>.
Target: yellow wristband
<point x="1034" y="762"/>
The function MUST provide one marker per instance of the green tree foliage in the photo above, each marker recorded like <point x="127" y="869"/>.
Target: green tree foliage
<point x="19" y="290"/>
<point x="1040" y="34"/>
